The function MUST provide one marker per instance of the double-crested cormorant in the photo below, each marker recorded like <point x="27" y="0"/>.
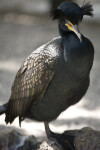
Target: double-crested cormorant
<point x="56" y="75"/>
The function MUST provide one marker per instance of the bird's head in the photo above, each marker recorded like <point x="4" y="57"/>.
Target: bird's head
<point x="70" y="15"/>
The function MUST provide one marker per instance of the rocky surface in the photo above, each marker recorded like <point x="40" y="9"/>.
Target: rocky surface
<point x="10" y="139"/>
<point x="83" y="139"/>
<point x="48" y="146"/>
<point x="30" y="143"/>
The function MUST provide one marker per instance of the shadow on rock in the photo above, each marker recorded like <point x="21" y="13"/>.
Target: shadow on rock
<point x="84" y="139"/>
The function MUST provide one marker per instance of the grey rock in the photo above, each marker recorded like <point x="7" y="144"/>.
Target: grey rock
<point x="84" y="139"/>
<point x="49" y="145"/>
<point x="87" y="139"/>
<point x="10" y="139"/>
<point x="30" y="143"/>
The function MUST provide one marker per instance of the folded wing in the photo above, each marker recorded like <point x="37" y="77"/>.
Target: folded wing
<point x="30" y="84"/>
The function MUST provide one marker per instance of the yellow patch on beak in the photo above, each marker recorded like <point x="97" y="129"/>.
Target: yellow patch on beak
<point x="73" y="28"/>
<point x="69" y="25"/>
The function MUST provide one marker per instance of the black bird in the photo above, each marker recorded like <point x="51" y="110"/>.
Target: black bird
<point x="56" y="75"/>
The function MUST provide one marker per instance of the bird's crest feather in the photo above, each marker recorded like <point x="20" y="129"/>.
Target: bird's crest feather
<point x="87" y="9"/>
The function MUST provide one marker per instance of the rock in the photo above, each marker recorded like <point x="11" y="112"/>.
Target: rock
<point x="87" y="139"/>
<point x="49" y="145"/>
<point x="63" y="141"/>
<point x="30" y="143"/>
<point x="10" y="139"/>
<point x="84" y="139"/>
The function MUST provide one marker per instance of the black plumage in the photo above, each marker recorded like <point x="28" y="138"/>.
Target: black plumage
<point x="56" y="75"/>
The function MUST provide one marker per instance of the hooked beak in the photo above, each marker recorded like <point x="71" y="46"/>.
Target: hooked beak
<point x="73" y="28"/>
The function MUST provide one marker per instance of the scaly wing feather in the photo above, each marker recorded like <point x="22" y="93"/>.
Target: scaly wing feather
<point x="30" y="84"/>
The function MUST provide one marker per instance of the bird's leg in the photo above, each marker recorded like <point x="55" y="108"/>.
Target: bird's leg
<point x="51" y="135"/>
<point x="47" y="129"/>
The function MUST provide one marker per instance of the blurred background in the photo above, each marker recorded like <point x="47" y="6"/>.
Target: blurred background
<point x="26" y="25"/>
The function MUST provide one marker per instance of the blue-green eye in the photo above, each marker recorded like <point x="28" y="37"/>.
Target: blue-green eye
<point x="67" y="21"/>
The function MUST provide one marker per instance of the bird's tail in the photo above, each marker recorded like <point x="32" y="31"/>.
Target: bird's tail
<point x="3" y="109"/>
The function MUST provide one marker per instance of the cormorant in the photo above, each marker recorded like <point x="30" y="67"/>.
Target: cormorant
<point x="56" y="75"/>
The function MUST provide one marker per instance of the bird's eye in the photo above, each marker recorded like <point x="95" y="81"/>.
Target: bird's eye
<point x="68" y="23"/>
